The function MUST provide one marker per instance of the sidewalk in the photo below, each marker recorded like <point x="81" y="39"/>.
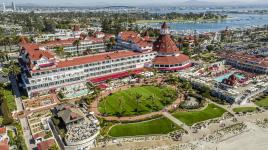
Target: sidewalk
<point x="23" y="121"/>
<point x="176" y="121"/>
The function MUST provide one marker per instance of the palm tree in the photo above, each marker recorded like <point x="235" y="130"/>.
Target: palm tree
<point x="152" y="98"/>
<point x="77" y="43"/>
<point x="60" y="51"/>
<point x="4" y="42"/>
<point x="121" y="104"/>
<point x="92" y="87"/>
<point x="138" y="98"/>
<point x="13" y="69"/>
<point x="3" y="56"/>
<point x="8" y="41"/>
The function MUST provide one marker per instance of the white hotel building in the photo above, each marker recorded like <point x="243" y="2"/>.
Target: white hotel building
<point x="244" y="61"/>
<point x="91" y="44"/>
<point x="44" y="73"/>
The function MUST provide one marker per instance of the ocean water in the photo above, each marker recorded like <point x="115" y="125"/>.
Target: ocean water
<point x="235" y="21"/>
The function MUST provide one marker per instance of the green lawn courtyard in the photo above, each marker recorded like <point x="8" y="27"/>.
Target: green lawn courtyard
<point x="190" y="118"/>
<point x="10" y="100"/>
<point x="262" y="102"/>
<point x="155" y="126"/>
<point x="137" y="100"/>
<point x="244" y="109"/>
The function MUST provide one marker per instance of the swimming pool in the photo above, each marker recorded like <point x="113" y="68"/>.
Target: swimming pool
<point x="77" y="94"/>
<point x="225" y="76"/>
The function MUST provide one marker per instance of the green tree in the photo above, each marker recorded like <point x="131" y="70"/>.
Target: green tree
<point x="77" y="44"/>
<point x="138" y="99"/>
<point x="3" y="56"/>
<point x="54" y="147"/>
<point x="12" y="69"/>
<point x="7" y="118"/>
<point x="210" y="48"/>
<point x="60" y="51"/>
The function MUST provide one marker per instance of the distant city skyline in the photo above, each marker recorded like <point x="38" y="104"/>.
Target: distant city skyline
<point x="125" y="2"/>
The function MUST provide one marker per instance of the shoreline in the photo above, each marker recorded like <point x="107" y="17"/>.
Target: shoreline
<point x="181" y="21"/>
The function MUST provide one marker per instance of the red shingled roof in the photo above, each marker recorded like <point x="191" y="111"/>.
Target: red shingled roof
<point x="69" y="42"/>
<point x="2" y="130"/>
<point x="128" y="35"/>
<point x="244" y="58"/>
<point x="35" y="53"/>
<point x="94" y="58"/>
<point x="165" y="44"/>
<point x="135" y="38"/>
<point x="170" y="60"/>
<point x="39" y="135"/>
<point x="45" y="145"/>
<point x="164" y="25"/>
<point x="4" y="145"/>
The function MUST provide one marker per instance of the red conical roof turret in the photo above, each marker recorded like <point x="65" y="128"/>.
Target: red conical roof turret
<point x="164" y="26"/>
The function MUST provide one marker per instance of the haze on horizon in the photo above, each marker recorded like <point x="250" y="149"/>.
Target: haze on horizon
<point x="129" y="2"/>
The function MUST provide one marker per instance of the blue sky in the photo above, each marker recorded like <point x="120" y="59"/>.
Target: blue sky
<point x="117" y="2"/>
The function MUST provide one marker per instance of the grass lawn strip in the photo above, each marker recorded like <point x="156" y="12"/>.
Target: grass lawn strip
<point x="263" y="102"/>
<point x="190" y="118"/>
<point x="244" y="109"/>
<point x="156" y="126"/>
<point x="10" y="100"/>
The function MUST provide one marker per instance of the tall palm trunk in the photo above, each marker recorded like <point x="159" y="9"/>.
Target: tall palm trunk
<point x="9" y="44"/>
<point x="77" y="49"/>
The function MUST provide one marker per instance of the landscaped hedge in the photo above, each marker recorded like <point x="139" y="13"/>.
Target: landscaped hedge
<point x="7" y="118"/>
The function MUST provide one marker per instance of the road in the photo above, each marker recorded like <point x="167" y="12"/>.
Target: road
<point x="24" y="123"/>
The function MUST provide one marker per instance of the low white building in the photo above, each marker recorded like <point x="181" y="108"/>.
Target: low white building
<point x="82" y="130"/>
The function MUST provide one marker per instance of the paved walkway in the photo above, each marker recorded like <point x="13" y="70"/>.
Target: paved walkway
<point x="176" y="121"/>
<point x="94" y="108"/>
<point x="229" y="109"/>
<point x="16" y="93"/>
<point x="23" y="121"/>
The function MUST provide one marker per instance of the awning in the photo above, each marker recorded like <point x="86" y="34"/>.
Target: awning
<point x="46" y="65"/>
<point x="115" y="76"/>
<point x="175" y="68"/>
<point x="102" y="86"/>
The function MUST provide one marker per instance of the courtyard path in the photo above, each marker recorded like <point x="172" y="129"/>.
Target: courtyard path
<point x="176" y="121"/>
<point x="227" y="108"/>
<point x="94" y="106"/>
<point x="23" y="121"/>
